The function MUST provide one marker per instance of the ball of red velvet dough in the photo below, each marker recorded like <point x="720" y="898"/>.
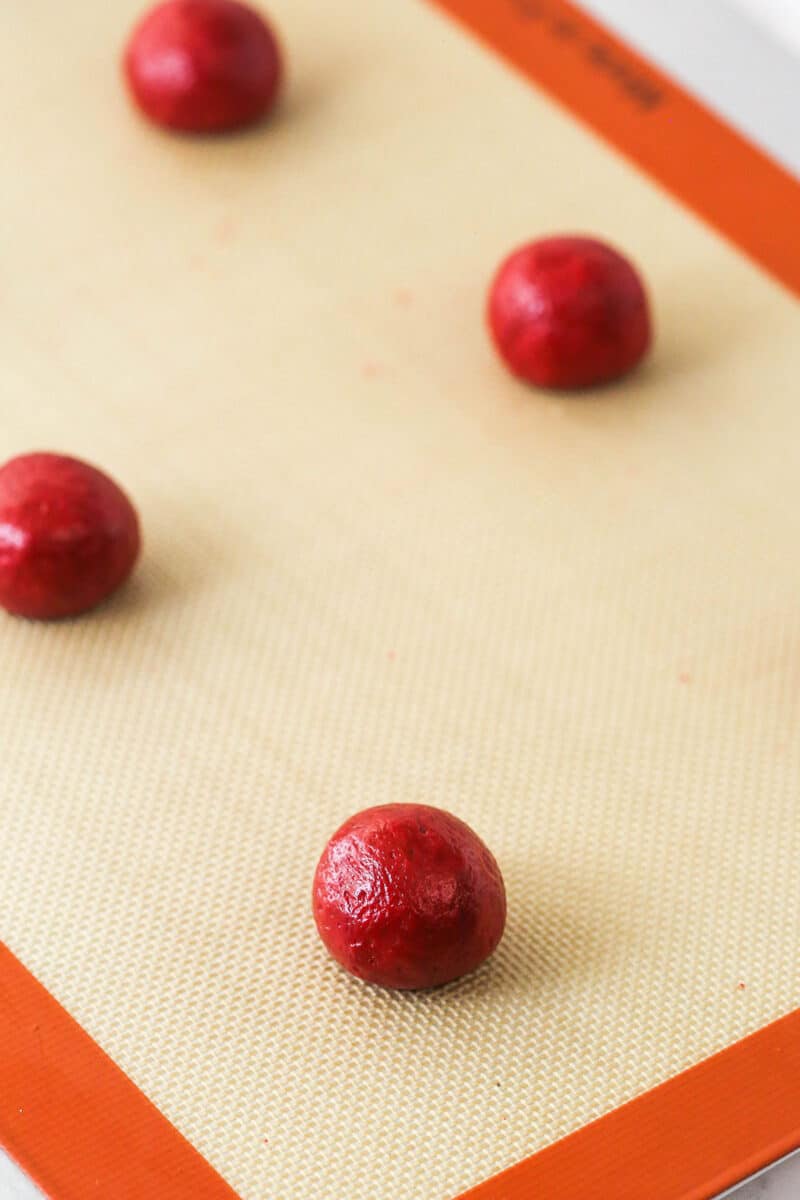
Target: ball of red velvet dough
<point x="69" y="537"/>
<point x="569" y="312"/>
<point x="407" y="896"/>
<point x="203" y="66"/>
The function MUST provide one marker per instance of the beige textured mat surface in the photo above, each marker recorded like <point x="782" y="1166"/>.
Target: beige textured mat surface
<point x="378" y="569"/>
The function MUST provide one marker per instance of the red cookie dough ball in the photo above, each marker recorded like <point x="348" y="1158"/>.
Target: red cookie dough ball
<point x="569" y="312"/>
<point x="203" y="66"/>
<point x="69" y="537"/>
<point x="407" y="896"/>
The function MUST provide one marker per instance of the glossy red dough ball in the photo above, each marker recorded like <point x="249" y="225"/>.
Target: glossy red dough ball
<point x="569" y="312"/>
<point x="69" y="537"/>
<point x="203" y="66"/>
<point x="407" y="896"/>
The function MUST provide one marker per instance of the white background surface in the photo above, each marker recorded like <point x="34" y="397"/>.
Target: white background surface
<point x="13" y="1184"/>
<point x="782" y="17"/>
<point x="739" y="55"/>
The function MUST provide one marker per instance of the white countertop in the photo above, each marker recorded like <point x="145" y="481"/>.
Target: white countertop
<point x="781" y="17"/>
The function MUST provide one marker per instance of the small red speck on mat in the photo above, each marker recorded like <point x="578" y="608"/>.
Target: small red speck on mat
<point x="226" y="228"/>
<point x="741" y="987"/>
<point x="392" y="655"/>
<point x="266" y="1141"/>
<point x="684" y="677"/>
<point x="370" y="370"/>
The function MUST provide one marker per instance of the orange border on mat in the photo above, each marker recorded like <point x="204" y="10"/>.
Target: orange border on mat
<point x="81" y="1129"/>
<point x="72" y="1120"/>
<point x="705" y="163"/>
<point x="689" y="1139"/>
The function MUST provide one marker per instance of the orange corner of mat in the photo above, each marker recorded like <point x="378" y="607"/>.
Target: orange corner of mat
<point x="691" y="1138"/>
<point x="72" y="1120"/>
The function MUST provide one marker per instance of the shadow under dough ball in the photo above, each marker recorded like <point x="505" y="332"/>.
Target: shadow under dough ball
<point x="569" y="312"/>
<point x="407" y="896"/>
<point x="69" y="536"/>
<point x="203" y="66"/>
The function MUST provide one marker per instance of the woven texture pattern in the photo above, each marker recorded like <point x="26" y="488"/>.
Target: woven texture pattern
<point x="378" y="569"/>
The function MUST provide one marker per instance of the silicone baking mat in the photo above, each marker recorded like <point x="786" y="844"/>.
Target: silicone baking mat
<point x="378" y="569"/>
